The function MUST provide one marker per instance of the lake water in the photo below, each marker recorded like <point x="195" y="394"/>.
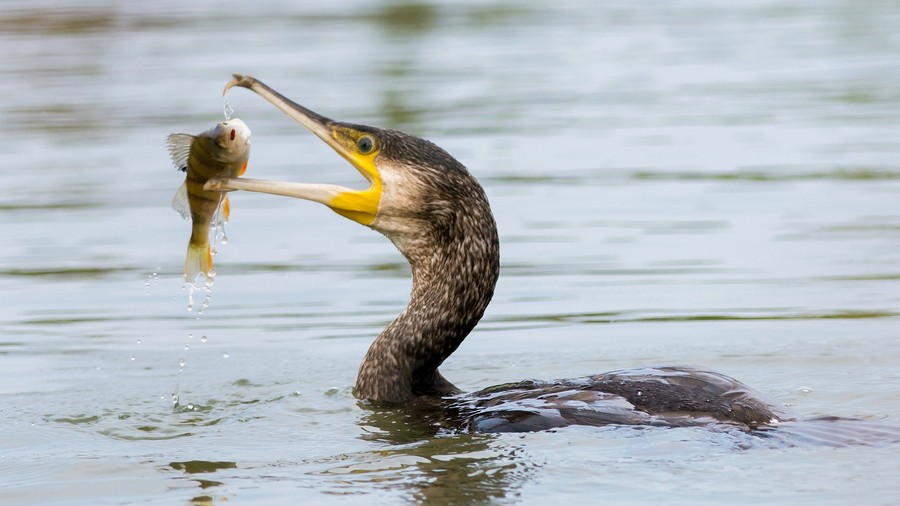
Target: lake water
<point x="700" y="182"/>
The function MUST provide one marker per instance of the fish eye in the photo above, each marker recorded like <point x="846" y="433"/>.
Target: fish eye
<point x="232" y="134"/>
<point x="365" y="145"/>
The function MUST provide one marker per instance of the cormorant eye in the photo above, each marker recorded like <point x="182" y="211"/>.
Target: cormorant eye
<point x="365" y="145"/>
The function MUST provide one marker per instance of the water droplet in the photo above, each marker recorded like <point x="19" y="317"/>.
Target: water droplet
<point x="190" y="407"/>
<point x="190" y="336"/>
<point x="138" y="342"/>
<point x="187" y="347"/>
<point x="225" y="355"/>
<point x="181" y="362"/>
<point x="226" y="108"/>
<point x="203" y="339"/>
<point x="132" y="358"/>
<point x="805" y="390"/>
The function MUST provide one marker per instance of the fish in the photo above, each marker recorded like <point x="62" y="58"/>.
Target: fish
<point x="223" y="151"/>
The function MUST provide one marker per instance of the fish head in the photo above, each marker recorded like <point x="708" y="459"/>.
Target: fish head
<point x="231" y="140"/>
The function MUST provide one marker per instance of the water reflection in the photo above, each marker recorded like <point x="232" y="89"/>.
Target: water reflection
<point x="436" y="465"/>
<point x="193" y="467"/>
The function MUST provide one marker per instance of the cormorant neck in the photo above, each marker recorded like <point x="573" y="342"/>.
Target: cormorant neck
<point x="455" y="264"/>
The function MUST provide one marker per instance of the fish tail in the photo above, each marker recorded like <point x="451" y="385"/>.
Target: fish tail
<point x="198" y="261"/>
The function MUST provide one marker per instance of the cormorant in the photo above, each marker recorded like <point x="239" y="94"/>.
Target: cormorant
<point x="438" y="216"/>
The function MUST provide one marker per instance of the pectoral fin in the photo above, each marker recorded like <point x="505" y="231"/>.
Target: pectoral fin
<point x="225" y="209"/>
<point x="180" y="202"/>
<point x="179" y="149"/>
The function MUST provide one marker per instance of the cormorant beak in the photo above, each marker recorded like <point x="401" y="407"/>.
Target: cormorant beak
<point x="358" y="205"/>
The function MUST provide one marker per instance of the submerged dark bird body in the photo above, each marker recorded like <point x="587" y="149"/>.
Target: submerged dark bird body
<point x="439" y="217"/>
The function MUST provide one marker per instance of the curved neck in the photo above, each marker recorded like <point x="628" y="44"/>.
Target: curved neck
<point x="453" y="282"/>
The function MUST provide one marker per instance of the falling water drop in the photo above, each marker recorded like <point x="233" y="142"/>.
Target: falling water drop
<point x="132" y="358"/>
<point x="225" y="355"/>
<point x="181" y="363"/>
<point x="203" y="339"/>
<point x="226" y="107"/>
<point x="138" y="342"/>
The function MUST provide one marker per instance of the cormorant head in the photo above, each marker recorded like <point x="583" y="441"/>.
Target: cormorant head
<point x="414" y="185"/>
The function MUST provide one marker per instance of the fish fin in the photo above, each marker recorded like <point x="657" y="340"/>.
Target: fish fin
<point x="197" y="262"/>
<point x="179" y="149"/>
<point x="243" y="168"/>
<point x="225" y="210"/>
<point x="180" y="202"/>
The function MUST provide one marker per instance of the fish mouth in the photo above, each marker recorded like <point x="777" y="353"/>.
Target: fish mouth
<point x="358" y="205"/>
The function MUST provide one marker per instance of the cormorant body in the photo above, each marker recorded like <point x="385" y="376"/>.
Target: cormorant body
<point x="438" y="216"/>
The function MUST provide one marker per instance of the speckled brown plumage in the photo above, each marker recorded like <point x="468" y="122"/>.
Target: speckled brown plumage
<point x="439" y="218"/>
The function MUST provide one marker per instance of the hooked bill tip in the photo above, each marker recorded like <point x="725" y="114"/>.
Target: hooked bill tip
<point x="239" y="80"/>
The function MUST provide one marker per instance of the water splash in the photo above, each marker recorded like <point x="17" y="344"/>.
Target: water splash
<point x="152" y="280"/>
<point x="176" y="395"/>
<point x="218" y="226"/>
<point x="226" y="107"/>
<point x="206" y="288"/>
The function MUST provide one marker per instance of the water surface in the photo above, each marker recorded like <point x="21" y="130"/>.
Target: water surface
<point x="707" y="183"/>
